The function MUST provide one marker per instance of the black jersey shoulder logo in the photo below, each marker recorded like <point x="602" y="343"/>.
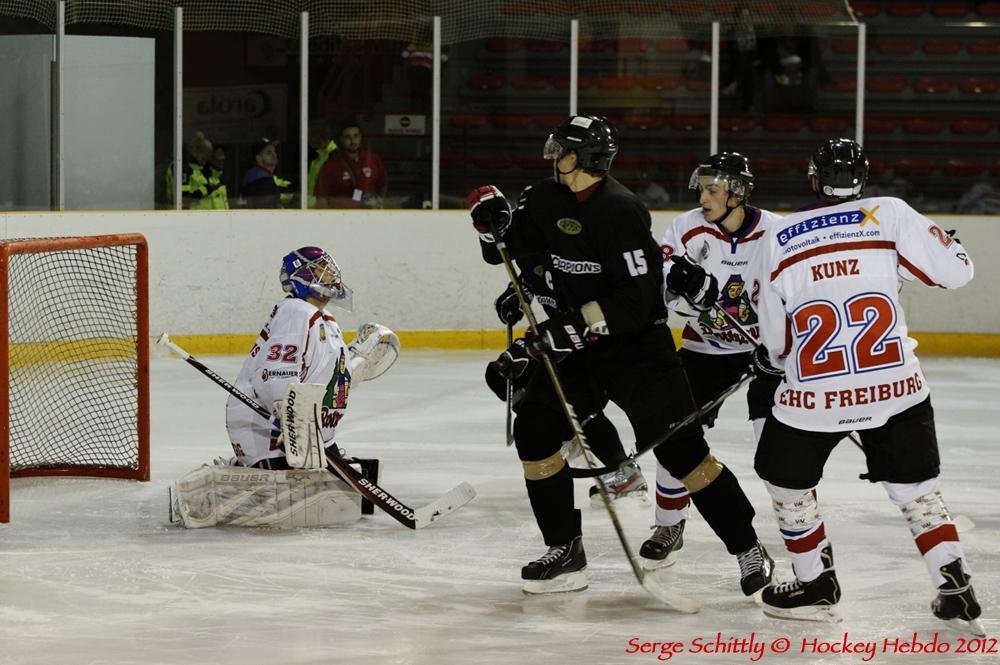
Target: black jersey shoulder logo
<point x="569" y="226"/>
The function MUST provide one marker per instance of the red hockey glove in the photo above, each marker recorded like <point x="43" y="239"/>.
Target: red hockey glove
<point x="490" y="211"/>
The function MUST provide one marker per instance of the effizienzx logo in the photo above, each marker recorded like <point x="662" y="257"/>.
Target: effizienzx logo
<point x="820" y="222"/>
<point x="569" y="226"/>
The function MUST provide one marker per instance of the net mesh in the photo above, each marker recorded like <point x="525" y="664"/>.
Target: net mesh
<point x="461" y="20"/>
<point x="73" y="359"/>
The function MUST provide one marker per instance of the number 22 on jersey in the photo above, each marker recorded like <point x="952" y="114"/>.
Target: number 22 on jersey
<point x="817" y="324"/>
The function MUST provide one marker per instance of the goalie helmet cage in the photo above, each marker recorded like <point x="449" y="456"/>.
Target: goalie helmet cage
<point x="74" y="348"/>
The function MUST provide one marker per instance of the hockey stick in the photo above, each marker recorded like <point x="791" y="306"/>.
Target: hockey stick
<point x="663" y="595"/>
<point x="411" y="518"/>
<point x="510" y="391"/>
<point x="673" y="429"/>
<point x="961" y="522"/>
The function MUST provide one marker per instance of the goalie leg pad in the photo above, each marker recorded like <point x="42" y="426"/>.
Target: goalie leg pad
<point x="301" y="430"/>
<point x="240" y="496"/>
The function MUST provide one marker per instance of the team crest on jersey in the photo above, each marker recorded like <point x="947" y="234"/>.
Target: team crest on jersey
<point x="322" y="333"/>
<point x="569" y="226"/>
<point x="733" y="298"/>
<point x="339" y="386"/>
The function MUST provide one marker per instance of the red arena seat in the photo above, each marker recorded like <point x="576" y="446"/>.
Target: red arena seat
<point x="876" y="166"/>
<point x="963" y="167"/>
<point x="672" y="45"/>
<point x="840" y="83"/>
<point x="995" y="169"/>
<point x="865" y="9"/>
<point x="529" y="82"/>
<point x="469" y="120"/>
<point x="818" y="8"/>
<point x="987" y="47"/>
<point x="888" y="84"/>
<point x="645" y="10"/>
<point x="772" y="165"/>
<point x="549" y="120"/>
<point x="453" y="159"/>
<point x="845" y="45"/>
<point x="896" y="45"/>
<point x="829" y="124"/>
<point x="661" y="82"/>
<point x="784" y="123"/>
<point x="520" y="9"/>
<point x="545" y="45"/>
<point x="601" y="9"/>
<point x="616" y="82"/>
<point x="698" y="85"/>
<point x="632" y="162"/>
<point x="880" y="124"/>
<point x="912" y="167"/>
<point x="493" y="161"/>
<point x="646" y="121"/>
<point x="924" y="125"/>
<point x="737" y="123"/>
<point x="583" y="82"/>
<point x="687" y="122"/>
<point x="978" y="85"/>
<point x="950" y="9"/>
<point x="932" y="85"/>
<point x="594" y="45"/>
<point x="688" y="9"/>
<point x="512" y="121"/>
<point x="970" y="125"/>
<point x="989" y="9"/>
<point x="634" y="45"/>
<point x="487" y="81"/>
<point x="942" y="46"/>
<point x="904" y="9"/>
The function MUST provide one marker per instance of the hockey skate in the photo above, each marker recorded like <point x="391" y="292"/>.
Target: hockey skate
<point x="756" y="569"/>
<point x="660" y="549"/>
<point x="815" y="600"/>
<point x="626" y="482"/>
<point x="956" y="601"/>
<point x="558" y="570"/>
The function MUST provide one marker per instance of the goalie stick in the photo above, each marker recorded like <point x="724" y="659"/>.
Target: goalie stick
<point x="961" y="522"/>
<point x="412" y="518"/>
<point x="661" y="593"/>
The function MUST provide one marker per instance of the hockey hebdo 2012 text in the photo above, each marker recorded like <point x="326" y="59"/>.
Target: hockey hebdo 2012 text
<point x="754" y="647"/>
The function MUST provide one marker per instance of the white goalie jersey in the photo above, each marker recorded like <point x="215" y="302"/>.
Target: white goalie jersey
<point x="729" y="259"/>
<point x="298" y="344"/>
<point x="830" y="311"/>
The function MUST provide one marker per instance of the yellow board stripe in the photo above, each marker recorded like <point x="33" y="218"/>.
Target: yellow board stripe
<point x="943" y="344"/>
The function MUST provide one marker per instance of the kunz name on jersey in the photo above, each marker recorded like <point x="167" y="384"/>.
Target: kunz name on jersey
<point x="820" y="222"/>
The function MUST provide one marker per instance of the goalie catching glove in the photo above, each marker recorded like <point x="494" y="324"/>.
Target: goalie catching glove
<point x="689" y="280"/>
<point x="373" y="351"/>
<point x="490" y="212"/>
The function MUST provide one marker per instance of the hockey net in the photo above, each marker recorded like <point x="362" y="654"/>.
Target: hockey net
<point x="74" y="347"/>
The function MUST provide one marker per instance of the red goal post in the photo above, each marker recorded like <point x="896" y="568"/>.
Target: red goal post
<point x="74" y="351"/>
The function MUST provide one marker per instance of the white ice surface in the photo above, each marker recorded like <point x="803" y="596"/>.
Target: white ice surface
<point x="91" y="572"/>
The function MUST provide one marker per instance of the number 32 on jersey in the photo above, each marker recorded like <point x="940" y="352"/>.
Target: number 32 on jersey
<point x="819" y="322"/>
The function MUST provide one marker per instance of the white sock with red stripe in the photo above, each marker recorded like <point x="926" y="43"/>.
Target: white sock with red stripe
<point x="933" y="531"/>
<point x="801" y="527"/>
<point x="672" y="498"/>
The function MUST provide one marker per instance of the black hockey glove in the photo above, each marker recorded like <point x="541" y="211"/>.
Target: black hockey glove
<point x="559" y="336"/>
<point x="688" y="279"/>
<point x="490" y="211"/>
<point x="509" y="366"/>
<point x="509" y="307"/>
<point x="760" y="364"/>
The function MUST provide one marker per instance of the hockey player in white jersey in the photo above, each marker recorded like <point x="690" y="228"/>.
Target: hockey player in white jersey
<point x="830" y="317"/>
<point x="707" y="252"/>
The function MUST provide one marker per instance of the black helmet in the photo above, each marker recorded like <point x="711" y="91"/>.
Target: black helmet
<point x="593" y="138"/>
<point x="841" y="169"/>
<point x="730" y="169"/>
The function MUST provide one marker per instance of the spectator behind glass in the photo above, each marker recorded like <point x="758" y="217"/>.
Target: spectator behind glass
<point x="352" y="177"/>
<point x="321" y="146"/>
<point x="261" y="187"/>
<point x="792" y="69"/>
<point x="743" y="61"/>
<point x="200" y="190"/>
<point x="217" y="168"/>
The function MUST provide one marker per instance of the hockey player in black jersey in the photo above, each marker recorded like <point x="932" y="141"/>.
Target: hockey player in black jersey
<point x="609" y="337"/>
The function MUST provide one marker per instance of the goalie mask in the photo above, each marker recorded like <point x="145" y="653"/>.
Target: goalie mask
<point x="309" y="271"/>
<point x="840" y="168"/>
<point x="593" y="138"/>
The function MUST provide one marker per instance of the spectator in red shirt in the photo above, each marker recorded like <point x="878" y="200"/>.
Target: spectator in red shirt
<point x="352" y="177"/>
